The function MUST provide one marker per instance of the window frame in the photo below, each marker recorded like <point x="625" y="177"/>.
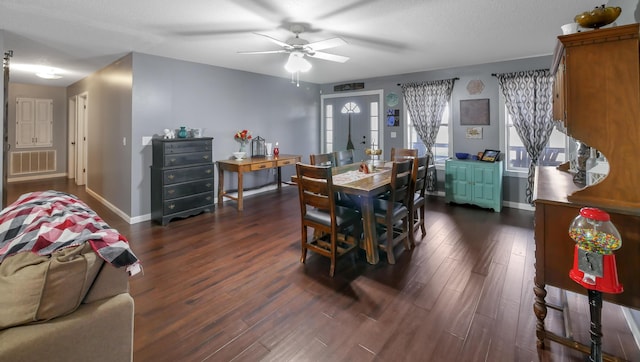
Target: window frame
<point x="503" y="134"/>
<point x="446" y="121"/>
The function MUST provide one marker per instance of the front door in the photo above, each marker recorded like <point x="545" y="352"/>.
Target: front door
<point x="353" y="118"/>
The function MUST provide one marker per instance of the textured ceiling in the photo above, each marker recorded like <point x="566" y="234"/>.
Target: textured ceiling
<point x="384" y="37"/>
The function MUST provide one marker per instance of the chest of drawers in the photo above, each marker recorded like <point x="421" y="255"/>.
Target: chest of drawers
<point x="182" y="178"/>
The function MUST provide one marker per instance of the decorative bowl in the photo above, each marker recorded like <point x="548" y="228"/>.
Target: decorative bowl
<point x="598" y="17"/>
<point x="239" y="155"/>
<point x="462" y="155"/>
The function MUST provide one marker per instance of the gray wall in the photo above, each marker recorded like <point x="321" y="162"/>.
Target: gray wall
<point x="2" y="130"/>
<point x="513" y="186"/>
<point x="109" y="123"/>
<point x="59" y="96"/>
<point x="169" y="93"/>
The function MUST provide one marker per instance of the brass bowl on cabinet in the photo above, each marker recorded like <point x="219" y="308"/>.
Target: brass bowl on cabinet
<point x="598" y="17"/>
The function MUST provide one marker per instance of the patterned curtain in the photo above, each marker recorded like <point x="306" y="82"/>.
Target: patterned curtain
<point x="426" y="102"/>
<point x="529" y="102"/>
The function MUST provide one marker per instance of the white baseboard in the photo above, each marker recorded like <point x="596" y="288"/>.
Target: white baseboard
<point x="110" y="206"/>
<point x="510" y="204"/>
<point x="632" y="323"/>
<point x="36" y="177"/>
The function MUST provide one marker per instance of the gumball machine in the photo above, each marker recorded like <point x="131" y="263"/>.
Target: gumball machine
<point x="594" y="265"/>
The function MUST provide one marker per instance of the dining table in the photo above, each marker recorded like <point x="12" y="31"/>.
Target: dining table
<point x="350" y="180"/>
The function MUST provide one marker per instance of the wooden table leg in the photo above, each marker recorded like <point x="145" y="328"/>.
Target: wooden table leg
<point x="369" y="226"/>
<point x="279" y="178"/>
<point x="540" y="309"/>
<point x="220" y="185"/>
<point x="239" y="190"/>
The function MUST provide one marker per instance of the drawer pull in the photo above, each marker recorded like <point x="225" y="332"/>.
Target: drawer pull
<point x="206" y="157"/>
<point x="171" y="192"/>
<point x="263" y="166"/>
<point x="208" y="171"/>
<point x="172" y="206"/>
<point x="208" y="185"/>
<point x="286" y="162"/>
<point x="208" y="198"/>
<point x="173" y="160"/>
<point x="171" y="176"/>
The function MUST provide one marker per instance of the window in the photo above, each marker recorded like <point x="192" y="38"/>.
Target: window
<point x="517" y="159"/>
<point x="328" y="124"/>
<point x="34" y="122"/>
<point x="441" y="147"/>
<point x="375" y="119"/>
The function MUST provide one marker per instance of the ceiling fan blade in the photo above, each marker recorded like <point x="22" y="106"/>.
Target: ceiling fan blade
<point x="265" y="52"/>
<point x="329" y="57"/>
<point x="279" y="42"/>
<point x="326" y="44"/>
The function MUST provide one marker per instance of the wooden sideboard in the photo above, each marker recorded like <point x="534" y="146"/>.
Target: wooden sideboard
<point x="250" y="165"/>
<point x="554" y="248"/>
<point x="597" y="96"/>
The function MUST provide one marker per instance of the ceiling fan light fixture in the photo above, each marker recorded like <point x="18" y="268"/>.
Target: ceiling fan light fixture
<point x="297" y="63"/>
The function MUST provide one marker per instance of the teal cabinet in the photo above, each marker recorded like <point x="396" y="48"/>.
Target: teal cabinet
<point x="474" y="182"/>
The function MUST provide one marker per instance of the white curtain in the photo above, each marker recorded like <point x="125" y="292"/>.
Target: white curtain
<point x="529" y="98"/>
<point x="426" y="102"/>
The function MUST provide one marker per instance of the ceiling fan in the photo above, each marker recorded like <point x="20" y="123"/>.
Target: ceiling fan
<point x="298" y="48"/>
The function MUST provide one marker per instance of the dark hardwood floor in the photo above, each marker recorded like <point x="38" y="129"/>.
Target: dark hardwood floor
<point x="228" y="285"/>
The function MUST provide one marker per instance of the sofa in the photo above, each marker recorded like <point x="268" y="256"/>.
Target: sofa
<point x="64" y="292"/>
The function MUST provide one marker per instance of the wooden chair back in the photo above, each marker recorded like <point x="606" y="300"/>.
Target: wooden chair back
<point x="344" y="157"/>
<point x="395" y="208"/>
<point x="319" y="211"/>
<point x="323" y="159"/>
<point x="401" y="153"/>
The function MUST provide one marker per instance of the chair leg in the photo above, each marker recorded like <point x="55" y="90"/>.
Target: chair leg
<point x="303" y="243"/>
<point x="407" y="230"/>
<point x="334" y="247"/>
<point x="390" y="257"/>
<point x="412" y="230"/>
<point x="422" y="226"/>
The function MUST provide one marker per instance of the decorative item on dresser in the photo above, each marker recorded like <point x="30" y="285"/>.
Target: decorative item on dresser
<point x="182" y="178"/>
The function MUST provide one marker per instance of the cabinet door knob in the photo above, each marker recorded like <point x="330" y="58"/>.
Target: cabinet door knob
<point x="171" y="176"/>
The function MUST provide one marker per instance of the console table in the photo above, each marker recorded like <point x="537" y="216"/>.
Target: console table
<point x="250" y="165"/>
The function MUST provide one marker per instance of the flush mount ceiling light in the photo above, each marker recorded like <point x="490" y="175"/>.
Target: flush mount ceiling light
<point x="41" y="71"/>
<point x="48" y="74"/>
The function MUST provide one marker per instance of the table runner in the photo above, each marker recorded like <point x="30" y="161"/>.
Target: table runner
<point x="349" y="176"/>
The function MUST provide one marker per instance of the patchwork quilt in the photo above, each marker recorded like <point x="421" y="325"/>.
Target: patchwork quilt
<point x="45" y="221"/>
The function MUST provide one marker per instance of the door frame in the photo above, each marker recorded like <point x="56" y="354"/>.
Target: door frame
<point x="71" y="136"/>
<point x="381" y="118"/>
<point x="82" y="126"/>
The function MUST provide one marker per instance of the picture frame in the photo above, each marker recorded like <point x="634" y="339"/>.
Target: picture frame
<point x="490" y="155"/>
<point x="473" y="133"/>
<point x="474" y="112"/>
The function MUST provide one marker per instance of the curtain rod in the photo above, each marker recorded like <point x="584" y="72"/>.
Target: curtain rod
<point x="456" y="78"/>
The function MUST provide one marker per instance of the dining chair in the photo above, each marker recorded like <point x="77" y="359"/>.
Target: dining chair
<point x="392" y="213"/>
<point x="344" y="157"/>
<point x="323" y="159"/>
<point x="337" y="229"/>
<point x="401" y="153"/>
<point x="418" y="202"/>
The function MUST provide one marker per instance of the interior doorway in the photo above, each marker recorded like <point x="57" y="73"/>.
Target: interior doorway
<point x="77" y="147"/>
